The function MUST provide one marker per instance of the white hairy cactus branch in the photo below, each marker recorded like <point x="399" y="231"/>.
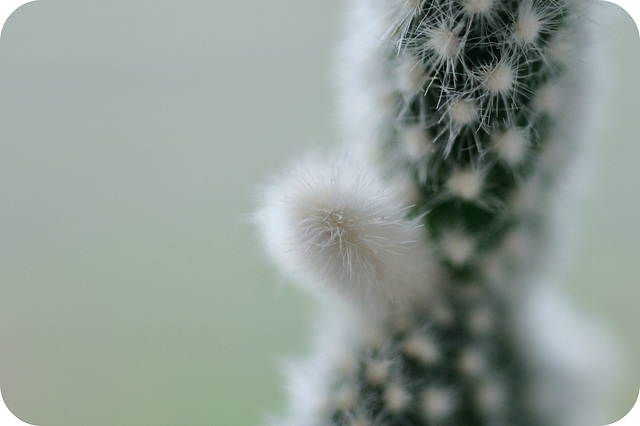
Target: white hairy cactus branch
<point x="462" y="115"/>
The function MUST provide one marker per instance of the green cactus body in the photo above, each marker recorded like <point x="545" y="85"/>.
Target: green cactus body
<point x="464" y="107"/>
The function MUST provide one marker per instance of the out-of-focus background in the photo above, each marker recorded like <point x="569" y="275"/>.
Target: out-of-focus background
<point x="133" y="135"/>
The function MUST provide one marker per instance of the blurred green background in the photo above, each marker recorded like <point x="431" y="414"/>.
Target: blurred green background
<point x="133" y="135"/>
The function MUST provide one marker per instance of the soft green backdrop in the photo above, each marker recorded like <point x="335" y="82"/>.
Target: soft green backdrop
<point x="133" y="135"/>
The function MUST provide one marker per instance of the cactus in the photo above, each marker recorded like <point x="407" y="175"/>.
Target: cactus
<point x="425" y="238"/>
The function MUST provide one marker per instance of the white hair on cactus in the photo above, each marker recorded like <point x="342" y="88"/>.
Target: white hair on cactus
<point x="444" y="41"/>
<point x="472" y="362"/>
<point x="528" y="24"/>
<point x="377" y="371"/>
<point x="361" y="420"/>
<point x="346" y="397"/>
<point x="422" y="347"/>
<point x="466" y="183"/>
<point x="463" y="111"/>
<point x="411" y="6"/>
<point x="510" y="146"/>
<point x="308" y="389"/>
<point x="499" y="78"/>
<point x="335" y="226"/>
<point x="458" y="247"/>
<point x="491" y="395"/>
<point x="405" y="189"/>
<point x="396" y="398"/>
<point x="416" y="141"/>
<point x="346" y="362"/>
<point x="410" y="74"/>
<point x="374" y="337"/>
<point x="478" y="7"/>
<point x="438" y="403"/>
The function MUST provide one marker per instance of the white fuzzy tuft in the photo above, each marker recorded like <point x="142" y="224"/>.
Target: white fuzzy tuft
<point x="463" y="111"/>
<point x="457" y="246"/>
<point x="359" y="421"/>
<point x="528" y="25"/>
<point x="473" y="362"/>
<point x="337" y="227"/>
<point x="444" y="41"/>
<point x="478" y="7"/>
<point x="466" y="183"/>
<point x="410" y="74"/>
<point x="422" y="347"/>
<point x="510" y="146"/>
<point x="345" y="398"/>
<point x="377" y="371"/>
<point x="396" y="398"/>
<point x="416" y="141"/>
<point x="499" y="79"/>
<point x="438" y="403"/>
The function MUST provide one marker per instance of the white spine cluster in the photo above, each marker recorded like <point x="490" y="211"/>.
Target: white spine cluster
<point x="334" y="226"/>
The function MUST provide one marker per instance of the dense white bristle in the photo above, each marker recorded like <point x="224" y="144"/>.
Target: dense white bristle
<point x="528" y="25"/>
<point x="499" y="79"/>
<point x="463" y="111"/>
<point x="411" y="6"/>
<point x="478" y="7"/>
<point x="337" y="225"/>
<point x="444" y="41"/>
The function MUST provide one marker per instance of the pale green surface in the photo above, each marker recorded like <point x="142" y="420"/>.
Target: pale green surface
<point x="133" y="135"/>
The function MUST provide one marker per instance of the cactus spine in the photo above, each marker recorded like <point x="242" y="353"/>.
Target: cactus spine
<point x="423" y="253"/>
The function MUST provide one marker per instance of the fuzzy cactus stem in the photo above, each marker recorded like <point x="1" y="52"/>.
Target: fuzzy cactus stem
<point x="428" y="250"/>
